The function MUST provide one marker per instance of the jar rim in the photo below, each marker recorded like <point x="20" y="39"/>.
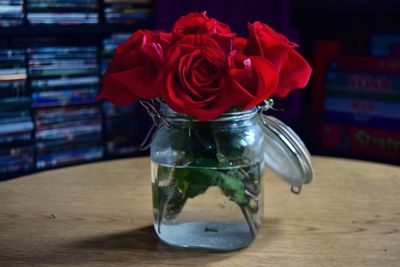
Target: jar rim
<point x="227" y="116"/>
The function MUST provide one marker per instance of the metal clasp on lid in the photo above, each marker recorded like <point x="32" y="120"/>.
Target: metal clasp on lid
<point x="159" y="120"/>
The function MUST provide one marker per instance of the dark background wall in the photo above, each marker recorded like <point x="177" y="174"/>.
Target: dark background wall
<point x="235" y="13"/>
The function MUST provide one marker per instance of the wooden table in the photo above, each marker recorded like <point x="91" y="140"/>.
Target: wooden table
<point x="100" y="215"/>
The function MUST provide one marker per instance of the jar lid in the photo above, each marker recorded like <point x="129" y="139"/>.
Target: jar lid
<point x="286" y="154"/>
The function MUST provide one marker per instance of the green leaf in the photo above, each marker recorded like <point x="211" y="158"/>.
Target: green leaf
<point x="234" y="189"/>
<point x="240" y="197"/>
<point x="230" y="184"/>
<point x="193" y="182"/>
<point x="172" y="201"/>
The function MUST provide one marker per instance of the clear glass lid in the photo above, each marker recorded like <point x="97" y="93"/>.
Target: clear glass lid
<point x="285" y="153"/>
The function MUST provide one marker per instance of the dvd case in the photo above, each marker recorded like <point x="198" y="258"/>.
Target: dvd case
<point x="16" y="125"/>
<point x="11" y="13"/>
<point x="62" y="12"/>
<point x="127" y="11"/>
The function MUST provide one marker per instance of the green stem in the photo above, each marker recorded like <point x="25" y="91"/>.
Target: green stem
<point x="160" y="213"/>
<point x="247" y="215"/>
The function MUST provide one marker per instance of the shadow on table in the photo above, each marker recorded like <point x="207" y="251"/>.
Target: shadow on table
<point x="143" y="245"/>
<point x="142" y="238"/>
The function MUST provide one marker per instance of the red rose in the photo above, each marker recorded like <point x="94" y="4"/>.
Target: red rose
<point x="134" y="69"/>
<point x="197" y="81"/>
<point x="239" y="44"/>
<point x="254" y="79"/>
<point x="199" y="23"/>
<point x="294" y="71"/>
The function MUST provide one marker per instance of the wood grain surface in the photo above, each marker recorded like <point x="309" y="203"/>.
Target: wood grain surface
<point x="100" y="215"/>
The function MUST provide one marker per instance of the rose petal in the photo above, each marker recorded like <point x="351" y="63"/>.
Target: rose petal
<point x="117" y="94"/>
<point x="183" y="73"/>
<point x="173" y="94"/>
<point x="251" y="87"/>
<point x="134" y="80"/>
<point x="296" y="74"/>
<point x="239" y="44"/>
<point x="209" y="110"/>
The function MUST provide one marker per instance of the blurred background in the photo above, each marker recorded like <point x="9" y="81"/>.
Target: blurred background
<point x="53" y="53"/>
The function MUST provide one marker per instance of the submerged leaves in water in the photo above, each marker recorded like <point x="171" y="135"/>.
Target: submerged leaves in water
<point x="180" y="183"/>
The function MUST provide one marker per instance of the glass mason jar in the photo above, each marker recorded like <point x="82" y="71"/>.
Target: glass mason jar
<point x="207" y="181"/>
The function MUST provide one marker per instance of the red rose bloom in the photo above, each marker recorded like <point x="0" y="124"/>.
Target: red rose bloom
<point x="199" y="23"/>
<point x="294" y="71"/>
<point x="253" y="79"/>
<point x="134" y="69"/>
<point x="196" y="78"/>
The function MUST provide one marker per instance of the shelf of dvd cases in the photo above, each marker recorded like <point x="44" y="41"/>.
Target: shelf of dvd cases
<point x="16" y="125"/>
<point x="41" y="17"/>
<point x="49" y="116"/>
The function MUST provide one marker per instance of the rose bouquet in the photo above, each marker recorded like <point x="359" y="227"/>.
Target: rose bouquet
<point x="203" y="69"/>
<point x="211" y="80"/>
